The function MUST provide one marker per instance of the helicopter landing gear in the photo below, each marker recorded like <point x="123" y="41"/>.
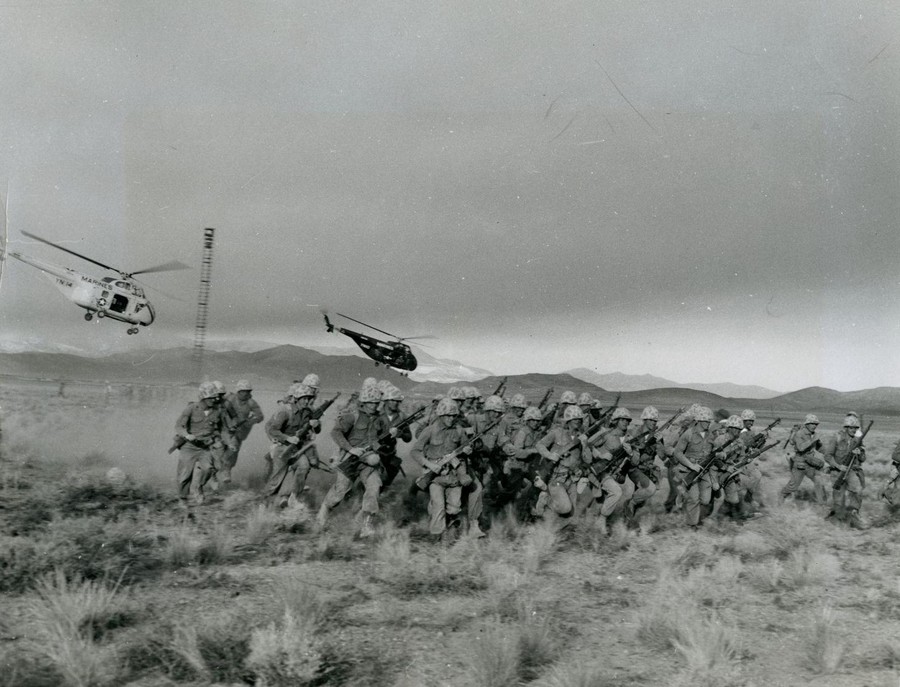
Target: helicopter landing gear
<point x="100" y="313"/>
<point x="88" y="316"/>
<point x="133" y="330"/>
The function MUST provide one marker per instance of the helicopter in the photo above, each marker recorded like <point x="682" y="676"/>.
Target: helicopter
<point x="118" y="298"/>
<point x="394" y="354"/>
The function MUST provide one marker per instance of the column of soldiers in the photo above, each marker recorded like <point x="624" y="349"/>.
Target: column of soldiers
<point x="564" y="462"/>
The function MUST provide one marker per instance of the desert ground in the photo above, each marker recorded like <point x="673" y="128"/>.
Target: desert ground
<point x="107" y="583"/>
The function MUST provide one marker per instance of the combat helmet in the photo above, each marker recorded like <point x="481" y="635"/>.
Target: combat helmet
<point x="619" y="414"/>
<point x="532" y="413"/>
<point x="748" y="415"/>
<point x="518" y="401"/>
<point x="494" y="403"/>
<point x="447" y="406"/>
<point x="207" y="390"/>
<point x="650" y="413"/>
<point x="573" y="412"/>
<point x="734" y="422"/>
<point x="568" y="397"/>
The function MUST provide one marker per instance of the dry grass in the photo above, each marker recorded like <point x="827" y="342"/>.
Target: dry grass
<point x="66" y="617"/>
<point x="825" y="644"/>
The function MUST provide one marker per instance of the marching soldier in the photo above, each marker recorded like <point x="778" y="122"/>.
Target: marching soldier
<point x="691" y="452"/>
<point x="645" y="474"/>
<point x="845" y="454"/>
<point x="565" y="449"/>
<point x="356" y="434"/>
<point x="202" y="426"/>
<point x="513" y="420"/>
<point x="518" y="469"/>
<point x="290" y="430"/>
<point x="806" y="460"/>
<point x="246" y="412"/>
<point x="612" y="484"/>
<point x="390" y="461"/>
<point x="751" y="476"/>
<point x="729" y="458"/>
<point x="485" y="461"/>
<point x="446" y="474"/>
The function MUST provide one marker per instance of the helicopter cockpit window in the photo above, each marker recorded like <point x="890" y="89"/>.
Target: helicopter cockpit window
<point x="138" y="291"/>
<point x="123" y="285"/>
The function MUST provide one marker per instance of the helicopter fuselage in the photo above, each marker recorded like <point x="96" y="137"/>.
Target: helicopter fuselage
<point x="391" y="353"/>
<point x="117" y="299"/>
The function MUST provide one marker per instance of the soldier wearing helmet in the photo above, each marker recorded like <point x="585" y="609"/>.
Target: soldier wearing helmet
<point x="730" y="452"/>
<point x="645" y="473"/>
<point x="805" y="459"/>
<point x="486" y="459"/>
<point x="441" y="449"/>
<point x="613" y="459"/>
<point x="512" y="420"/>
<point x="201" y="426"/>
<point x="692" y="452"/>
<point x="564" y="448"/>
<point x="312" y="381"/>
<point x="519" y="467"/>
<point x="246" y="413"/>
<point x="670" y="439"/>
<point x="845" y="454"/>
<point x="750" y="476"/>
<point x="357" y="436"/>
<point x="291" y="431"/>
<point x="567" y="399"/>
<point x="390" y="408"/>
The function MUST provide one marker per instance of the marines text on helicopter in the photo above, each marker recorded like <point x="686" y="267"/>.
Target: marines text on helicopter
<point x="394" y="354"/>
<point x="118" y="298"/>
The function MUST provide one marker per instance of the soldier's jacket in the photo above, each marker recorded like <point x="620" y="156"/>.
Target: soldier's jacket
<point x="693" y="447"/>
<point x="354" y="429"/>
<point x="572" y="458"/>
<point x="648" y="454"/>
<point x="246" y="414"/>
<point x="804" y="443"/>
<point x="389" y="444"/>
<point x="206" y="424"/>
<point x="510" y="424"/>
<point x="836" y="450"/>
<point x="436" y="441"/>
<point x="733" y="452"/>
<point x="669" y="440"/>
<point x="286" y="422"/>
<point x="603" y="452"/>
<point x="523" y="444"/>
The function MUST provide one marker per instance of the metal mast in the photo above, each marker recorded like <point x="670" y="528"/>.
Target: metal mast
<point x="203" y="302"/>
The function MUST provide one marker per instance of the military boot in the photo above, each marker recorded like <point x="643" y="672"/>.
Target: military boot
<point x="855" y="521"/>
<point x="367" y="530"/>
<point x="475" y="530"/>
<point x="322" y="516"/>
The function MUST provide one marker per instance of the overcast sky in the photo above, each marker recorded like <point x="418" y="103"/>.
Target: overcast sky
<point x="700" y="190"/>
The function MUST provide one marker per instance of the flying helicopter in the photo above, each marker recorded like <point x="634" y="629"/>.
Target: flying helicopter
<point x="118" y="298"/>
<point x="394" y="354"/>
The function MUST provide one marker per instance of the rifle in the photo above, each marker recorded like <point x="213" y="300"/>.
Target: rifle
<point x="709" y="462"/>
<point x="854" y="457"/>
<point x="319" y="411"/>
<point x="791" y="435"/>
<point x="753" y="455"/>
<point x="451" y="458"/>
<point x="545" y="398"/>
<point x="177" y="443"/>
<point x="372" y="447"/>
<point x="760" y="439"/>
<point x="654" y="436"/>
<point x="501" y="388"/>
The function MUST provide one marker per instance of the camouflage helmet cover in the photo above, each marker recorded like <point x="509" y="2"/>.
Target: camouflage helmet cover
<point x="703" y="414"/>
<point x="243" y="385"/>
<point x="532" y="413"/>
<point x="518" y="401"/>
<point x="369" y="394"/>
<point x="311" y="380"/>
<point x="734" y="422"/>
<point x="494" y="403"/>
<point x="573" y="412"/>
<point x="456" y="394"/>
<point x="851" y="421"/>
<point x="568" y="397"/>
<point x="392" y="393"/>
<point x="207" y="390"/>
<point x="650" y="413"/>
<point x="220" y="388"/>
<point x="748" y="415"/>
<point x="472" y="392"/>
<point x="585" y="399"/>
<point x="447" y="406"/>
<point x="620" y="414"/>
<point x="301" y="391"/>
<point x="810" y="420"/>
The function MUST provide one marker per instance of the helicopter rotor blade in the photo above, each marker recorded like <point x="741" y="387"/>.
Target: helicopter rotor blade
<point x="158" y="290"/>
<point x="71" y="252"/>
<point x="413" y="338"/>
<point x="165" y="267"/>
<point x="368" y="325"/>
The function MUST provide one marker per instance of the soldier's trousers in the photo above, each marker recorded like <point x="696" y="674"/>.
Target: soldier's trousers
<point x="699" y="493"/>
<point x="644" y="488"/>
<point x="849" y="494"/>
<point x="474" y="499"/>
<point x="444" y="499"/>
<point x="194" y="469"/>
<point x="614" y="494"/>
<point x="370" y="477"/>
<point x="799" y="470"/>
<point x="750" y="480"/>
<point x="287" y="466"/>
<point x="675" y="485"/>
<point x="229" y="458"/>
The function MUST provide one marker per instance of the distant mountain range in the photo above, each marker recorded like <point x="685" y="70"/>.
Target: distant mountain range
<point x="623" y="382"/>
<point x="275" y="368"/>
